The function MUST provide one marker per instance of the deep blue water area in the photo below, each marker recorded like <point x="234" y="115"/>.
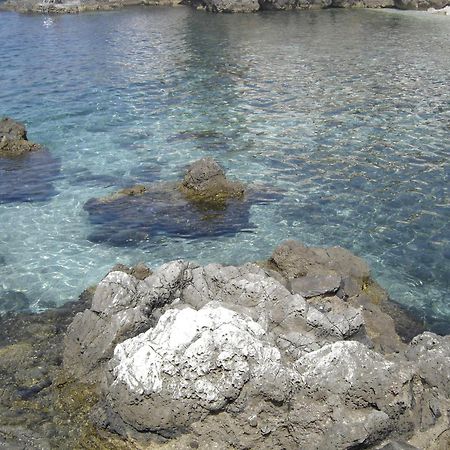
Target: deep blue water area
<point x="344" y="114"/>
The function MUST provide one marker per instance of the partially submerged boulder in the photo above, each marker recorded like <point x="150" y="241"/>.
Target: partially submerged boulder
<point x="205" y="182"/>
<point x="13" y="301"/>
<point x="13" y="139"/>
<point x="205" y="203"/>
<point x="231" y="356"/>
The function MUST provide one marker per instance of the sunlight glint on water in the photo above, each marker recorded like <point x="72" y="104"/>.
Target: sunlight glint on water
<point x="344" y="112"/>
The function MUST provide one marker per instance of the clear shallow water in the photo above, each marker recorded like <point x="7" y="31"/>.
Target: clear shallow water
<point x="345" y="112"/>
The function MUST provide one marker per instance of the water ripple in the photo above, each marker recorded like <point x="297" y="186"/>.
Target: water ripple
<point x="346" y="112"/>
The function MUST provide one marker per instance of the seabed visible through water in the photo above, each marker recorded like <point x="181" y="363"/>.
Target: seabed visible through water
<point x="344" y="114"/>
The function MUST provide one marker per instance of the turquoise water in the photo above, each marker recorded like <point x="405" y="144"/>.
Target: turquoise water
<point x="346" y="114"/>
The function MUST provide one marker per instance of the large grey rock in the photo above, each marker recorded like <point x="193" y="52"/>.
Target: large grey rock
<point x="121" y="307"/>
<point x="297" y="325"/>
<point x="231" y="357"/>
<point x="191" y="364"/>
<point x="217" y="361"/>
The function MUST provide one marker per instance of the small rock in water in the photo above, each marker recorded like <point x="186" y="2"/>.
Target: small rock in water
<point x="205" y="203"/>
<point x="13" y="139"/>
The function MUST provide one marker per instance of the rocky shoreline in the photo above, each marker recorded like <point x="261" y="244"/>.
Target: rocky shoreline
<point x="215" y="6"/>
<point x="293" y="352"/>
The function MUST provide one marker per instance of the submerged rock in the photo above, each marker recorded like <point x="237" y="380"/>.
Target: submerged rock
<point x="233" y="357"/>
<point x="27" y="170"/>
<point x="204" y="204"/>
<point x="13" y="301"/>
<point x="28" y="178"/>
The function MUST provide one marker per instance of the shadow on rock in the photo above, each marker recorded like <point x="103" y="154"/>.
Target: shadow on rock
<point x="204" y="204"/>
<point x="27" y="170"/>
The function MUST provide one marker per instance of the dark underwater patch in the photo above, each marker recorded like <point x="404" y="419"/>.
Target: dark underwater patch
<point x="163" y="211"/>
<point x="28" y="178"/>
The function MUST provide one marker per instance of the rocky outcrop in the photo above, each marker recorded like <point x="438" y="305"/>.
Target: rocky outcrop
<point x="205" y="203"/>
<point x="443" y="11"/>
<point x="215" y="6"/>
<point x="420" y="4"/>
<point x="205" y="182"/>
<point x="235" y="356"/>
<point x="294" y="4"/>
<point x="226" y="6"/>
<point x="13" y="139"/>
<point x="27" y="170"/>
<point x="76" y="6"/>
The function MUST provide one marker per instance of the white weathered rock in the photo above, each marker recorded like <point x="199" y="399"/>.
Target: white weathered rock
<point x="207" y="355"/>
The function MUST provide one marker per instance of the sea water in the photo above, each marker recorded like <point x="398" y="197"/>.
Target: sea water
<point x="344" y="114"/>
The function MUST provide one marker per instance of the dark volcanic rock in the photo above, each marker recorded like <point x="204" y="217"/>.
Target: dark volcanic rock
<point x="205" y="204"/>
